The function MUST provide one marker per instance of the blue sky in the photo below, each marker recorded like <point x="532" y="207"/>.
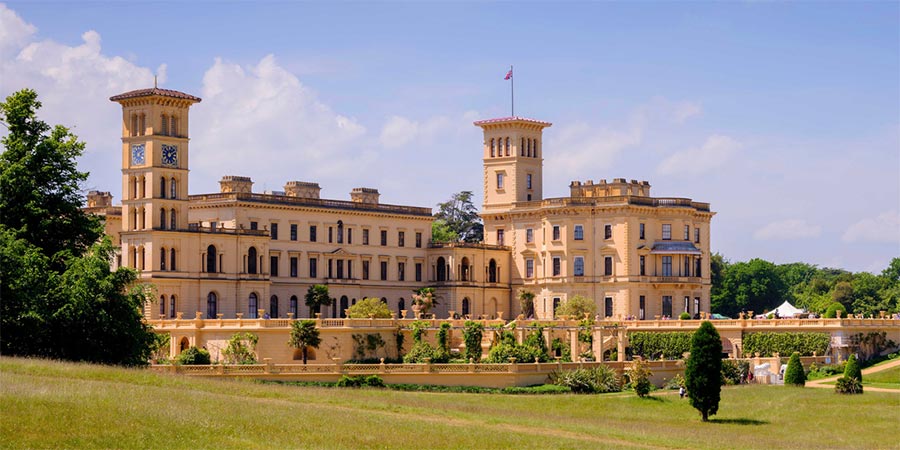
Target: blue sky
<point x="784" y="116"/>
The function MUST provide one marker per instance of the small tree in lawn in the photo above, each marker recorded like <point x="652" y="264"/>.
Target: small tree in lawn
<point x="304" y="334"/>
<point x="794" y="374"/>
<point x="852" y="369"/>
<point x="526" y="300"/>
<point x="317" y="297"/>
<point x="703" y="370"/>
<point x="640" y="377"/>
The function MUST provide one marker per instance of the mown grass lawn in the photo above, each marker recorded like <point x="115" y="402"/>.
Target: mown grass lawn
<point x="55" y="405"/>
<point x="888" y="378"/>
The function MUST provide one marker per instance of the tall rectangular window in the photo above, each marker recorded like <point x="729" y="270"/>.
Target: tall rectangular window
<point x="607" y="232"/>
<point x="696" y="306"/>
<point x="697" y="266"/>
<point x="642" y="313"/>
<point x="293" y="231"/>
<point x="697" y="235"/>
<point x="293" y="261"/>
<point x="555" y="232"/>
<point x="557" y="266"/>
<point x="349" y="235"/>
<point x="312" y="233"/>
<point x="254" y="225"/>
<point x="273" y="266"/>
<point x="528" y="181"/>
<point x="313" y="272"/>
<point x="529" y="268"/>
<point x="687" y="232"/>
<point x="499" y="181"/>
<point x="499" y="237"/>
<point x="667" y="232"/>
<point x="643" y="265"/>
<point x="418" y="239"/>
<point x="401" y="271"/>
<point x="418" y="271"/>
<point x="641" y="232"/>
<point x="667" y="266"/>
<point x="383" y="237"/>
<point x="384" y="269"/>
<point x="579" y="232"/>
<point x="608" y="265"/>
<point x="330" y="235"/>
<point x="365" y="274"/>
<point x="608" y="307"/>
<point x="579" y="266"/>
<point x="529" y="235"/>
<point x="274" y="231"/>
<point x="340" y="268"/>
<point x="401" y="238"/>
<point x="687" y="266"/>
<point x="687" y="303"/>
<point x="667" y="305"/>
<point x="365" y="236"/>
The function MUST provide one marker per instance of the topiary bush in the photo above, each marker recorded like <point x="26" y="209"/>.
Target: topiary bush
<point x="768" y="343"/>
<point x="684" y="316"/>
<point x="193" y="356"/>
<point x="846" y="385"/>
<point x="852" y="369"/>
<point x="794" y="375"/>
<point x="831" y="312"/>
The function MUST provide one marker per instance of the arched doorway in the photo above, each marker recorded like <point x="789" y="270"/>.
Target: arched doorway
<point x="212" y="304"/>
<point x="273" y="306"/>
<point x="464" y="269"/>
<point x="251" y="260"/>
<point x="441" y="269"/>
<point x="465" y="307"/>
<point x="184" y="344"/>
<point x="492" y="271"/>
<point x="344" y="305"/>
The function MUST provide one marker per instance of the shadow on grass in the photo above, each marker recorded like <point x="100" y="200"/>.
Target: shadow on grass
<point x="740" y="421"/>
<point x="655" y="399"/>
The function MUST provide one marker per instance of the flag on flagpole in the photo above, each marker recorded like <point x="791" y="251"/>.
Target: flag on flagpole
<point x="508" y="75"/>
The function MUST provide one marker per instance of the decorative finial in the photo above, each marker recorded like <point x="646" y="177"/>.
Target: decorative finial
<point x="154" y="81"/>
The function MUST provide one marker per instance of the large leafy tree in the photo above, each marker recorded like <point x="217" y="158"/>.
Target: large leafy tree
<point x="753" y="285"/>
<point x="369" y="308"/>
<point x="317" y="297"/>
<point x="577" y="307"/>
<point x="304" y="335"/>
<point x="459" y="217"/>
<point x="703" y="370"/>
<point x="59" y="297"/>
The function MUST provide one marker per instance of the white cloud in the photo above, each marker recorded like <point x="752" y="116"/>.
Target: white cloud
<point x="261" y="121"/>
<point x="14" y="32"/>
<point x="884" y="228"/>
<point x="686" y="110"/>
<point x="580" y="148"/>
<point x="400" y="131"/>
<point x="715" y="152"/>
<point x="790" y="229"/>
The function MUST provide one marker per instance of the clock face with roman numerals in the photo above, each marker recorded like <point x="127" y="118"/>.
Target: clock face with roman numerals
<point x="169" y="155"/>
<point x="137" y="154"/>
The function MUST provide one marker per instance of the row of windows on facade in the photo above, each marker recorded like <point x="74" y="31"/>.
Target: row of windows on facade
<point x="665" y="306"/>
<point x="503" y="147"/>
<point x="528" y="182"/>
<point x="578" y="233"/>
<point x="338" y="309"/>
<point x="166" y="221"/>
<point x="168" y="125"/>
<point x="139" y="186"/>
<point x="578" y="266"/>
<point x="339" y="234"/>
<point x="465" y="270"/>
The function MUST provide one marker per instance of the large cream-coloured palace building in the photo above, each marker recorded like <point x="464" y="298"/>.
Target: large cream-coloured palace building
<point x="240" y="252"/>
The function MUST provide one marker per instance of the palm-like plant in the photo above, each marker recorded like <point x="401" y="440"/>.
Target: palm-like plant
<point x="304" y="334"/>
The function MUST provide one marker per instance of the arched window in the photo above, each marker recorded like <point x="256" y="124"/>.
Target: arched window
<point x="344" y="305"/>
<point x="294" y="306"/>
<point x="173" y="221"/>
<point x="164" y="128"/>
<point x="134" y="219"/>
<point x="507" y="146"/>
<point x="253" y="305"/>
<point x="162" y="306"/>
<point x="184" y="344"/>
<point x="172" y="259"/>
<point x="134" y="190"/>
<point x="173" y="189"/>
<point x="251" y="260"/>
<point x="493" y="146"/>
<point x="162" y="187"/>
<point x="340" y="231"/>
<point x="441" y="269"/>
<point x="535" y="152"/>
<point x="172" y="307"/>
<point x="134" y="257"/>
<point x="142" y="259"/>
<point x="143" y="181"/>
<point x="528" y="153"/>
<point x="522" y="148"/>
<point x="492" y="271"/>
<point x="211" y="259"/>
<point x="143" y="125"/>
<point x="134" y="124"/>
<point x="212" y="303"/>
<point x="464" y="269"/>
<point x="401" y="305"/>
<point x="465" y="307"/>
<point x="162" y="259"/>
<point x="162" y="218"/>
<point x="173" y="127"/>
<point x="273" y="306"/>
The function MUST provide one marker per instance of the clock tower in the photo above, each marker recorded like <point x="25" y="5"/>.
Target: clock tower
<point x="154" y="178"/>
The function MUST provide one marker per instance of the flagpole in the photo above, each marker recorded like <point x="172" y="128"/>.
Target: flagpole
<point x="512" y="91"/>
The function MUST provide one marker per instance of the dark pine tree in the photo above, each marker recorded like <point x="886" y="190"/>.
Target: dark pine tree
<point x="703" y="371"/>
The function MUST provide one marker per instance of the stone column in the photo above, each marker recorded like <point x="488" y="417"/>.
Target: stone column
<point x="620" y="344"/>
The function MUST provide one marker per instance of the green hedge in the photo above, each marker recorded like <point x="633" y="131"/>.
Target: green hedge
<point x="767" y="343"/>
<point x="658" y="345"/>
